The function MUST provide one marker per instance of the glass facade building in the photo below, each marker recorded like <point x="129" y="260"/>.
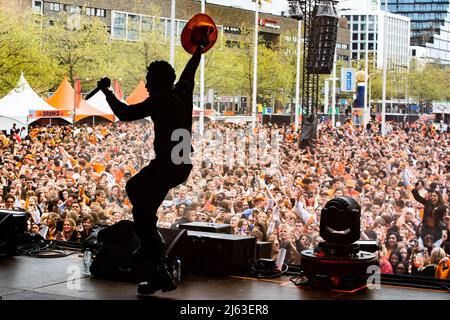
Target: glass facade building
<point x="430" y="25"/>
<point x="427" y="17"/>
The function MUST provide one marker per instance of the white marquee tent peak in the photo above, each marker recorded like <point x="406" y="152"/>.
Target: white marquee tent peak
<point x="15" y="106"/>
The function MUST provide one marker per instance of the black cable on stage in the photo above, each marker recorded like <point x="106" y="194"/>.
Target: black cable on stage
<point x="49" y="249"/>
<point x="276" y="275"/>
<point x="55" y="253"/>
<point x="28" y="249"/>
<point x="258" y="275"/>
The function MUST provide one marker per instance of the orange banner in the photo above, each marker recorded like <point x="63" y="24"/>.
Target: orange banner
<point x="49" y="113"/>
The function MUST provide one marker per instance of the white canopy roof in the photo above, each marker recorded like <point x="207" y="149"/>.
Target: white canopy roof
<point x="15" y="106"/>
<point x="98" y="101"/>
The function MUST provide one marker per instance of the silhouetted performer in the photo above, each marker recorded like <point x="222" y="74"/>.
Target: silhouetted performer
<point x="170" y="107"/>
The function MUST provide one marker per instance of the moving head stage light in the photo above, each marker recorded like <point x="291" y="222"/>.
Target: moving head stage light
<point x="338" y="262"/>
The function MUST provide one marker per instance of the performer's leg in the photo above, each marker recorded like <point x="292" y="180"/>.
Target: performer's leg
<point x="152" y="252"/>
<point x="145" y="224"/>
<point x="146" y="199"/>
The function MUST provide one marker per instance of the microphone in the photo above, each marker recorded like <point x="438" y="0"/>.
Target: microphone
<point x="92" y="93"/>
<point x="104" y="81"/>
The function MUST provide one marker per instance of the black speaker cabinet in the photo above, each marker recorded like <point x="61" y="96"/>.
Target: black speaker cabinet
<point x="113" y="260"/>
<point x="220" y="254"/>
<point x="13" y="225"/>
<point x="206" y="227"/>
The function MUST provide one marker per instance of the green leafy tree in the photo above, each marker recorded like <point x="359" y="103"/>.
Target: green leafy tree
<point x="275" y="76"/>
<point x="428" y="84"/>
<point x="80" y="45"/>
<point x="224" y="70"/>
<point x="21" y="51"/>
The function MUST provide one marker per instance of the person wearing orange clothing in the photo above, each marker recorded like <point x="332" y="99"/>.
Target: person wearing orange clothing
<point x="93" y="139"/>
<point x="350" y="191"/>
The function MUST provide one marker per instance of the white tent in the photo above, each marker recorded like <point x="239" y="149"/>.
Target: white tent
<point x="15" y="106"/>
<point x="98" y="101"/>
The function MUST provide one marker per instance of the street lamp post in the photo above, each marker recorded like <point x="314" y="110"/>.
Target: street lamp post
<point x="333" y="95"/>
<point x="297" y="81"/>
<point x="295" y="12"/>
<point x="385" y="52"/>
<point x="202" y="86"/>
<point x="172" y="33"/>
<point x="366" y="78"/>
<point x="255" y="65"/>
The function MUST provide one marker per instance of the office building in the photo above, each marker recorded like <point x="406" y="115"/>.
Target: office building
<point x="385" y="34"/>
<point x="430" y="26"/>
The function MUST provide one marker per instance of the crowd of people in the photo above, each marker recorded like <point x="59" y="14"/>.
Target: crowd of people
<point x="70" y="179"/>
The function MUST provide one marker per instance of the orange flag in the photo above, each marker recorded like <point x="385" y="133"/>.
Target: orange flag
<point x="77" y="93"/>
<point x="117" y="90"/>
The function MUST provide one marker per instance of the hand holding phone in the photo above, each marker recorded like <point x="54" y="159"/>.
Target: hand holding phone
<point x="276" y="214"/>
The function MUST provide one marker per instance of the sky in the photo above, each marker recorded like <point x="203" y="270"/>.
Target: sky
<point x="275" y="7"/>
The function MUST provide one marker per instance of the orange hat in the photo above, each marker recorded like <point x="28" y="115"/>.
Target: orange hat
<point x="195" y="30"/>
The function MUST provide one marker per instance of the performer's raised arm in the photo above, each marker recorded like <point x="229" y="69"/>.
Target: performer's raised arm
<point x="192" y="65"/>
<point x="123" y="111"/>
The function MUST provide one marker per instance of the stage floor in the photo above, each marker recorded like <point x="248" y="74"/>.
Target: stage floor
<point x="30" y="278"/>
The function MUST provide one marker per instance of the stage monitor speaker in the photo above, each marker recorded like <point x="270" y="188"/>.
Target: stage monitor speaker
<point x="113" y="260"/>
<point x="263" y="250"/>
<point x="177" y="247"/>
<point x="13" y="226"/>
<point x="220" y="254"/>
<point x="207" y="227"/>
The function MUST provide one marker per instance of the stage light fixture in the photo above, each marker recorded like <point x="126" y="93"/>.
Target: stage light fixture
<point x="341" y="221"/>
<point x="327" y="9"/>
<point x="295" y="11"/>
<point x="338" y="262"/>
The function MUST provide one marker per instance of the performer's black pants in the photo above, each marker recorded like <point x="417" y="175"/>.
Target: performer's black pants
<point x="146" y="191"/>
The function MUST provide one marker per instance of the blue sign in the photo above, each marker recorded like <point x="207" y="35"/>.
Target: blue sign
<point x="348" y="79"/>
<point x="348" y="83"/>
<point x="268" y="110"/>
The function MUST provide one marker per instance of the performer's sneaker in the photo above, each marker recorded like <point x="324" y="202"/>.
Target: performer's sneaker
<point x="161" y="279"/>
